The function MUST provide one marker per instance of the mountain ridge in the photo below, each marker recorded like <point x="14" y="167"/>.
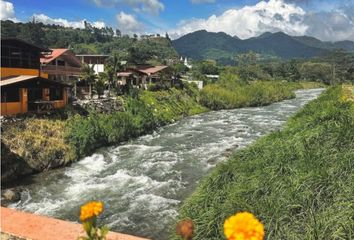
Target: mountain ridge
<point x="220" y="46"/>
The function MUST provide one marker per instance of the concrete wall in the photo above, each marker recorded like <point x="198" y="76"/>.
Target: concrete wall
<point x="31" y="226"/>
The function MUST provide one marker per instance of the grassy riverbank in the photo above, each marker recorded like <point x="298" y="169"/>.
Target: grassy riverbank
<point x="49" y="142"/>
<point x="56" y="141"/>
<point x="141" y="116"/>
<point x="231" y="94"/>
<point x="298" y="181"/>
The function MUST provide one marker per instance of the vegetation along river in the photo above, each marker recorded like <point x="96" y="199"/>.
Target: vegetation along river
<point x="142" y="182"/>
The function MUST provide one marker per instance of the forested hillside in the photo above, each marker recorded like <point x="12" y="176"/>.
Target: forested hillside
<point x="91" y="40"/>
<point x="223" y="47"/>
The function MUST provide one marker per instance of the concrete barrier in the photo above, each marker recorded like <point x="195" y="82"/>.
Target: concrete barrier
<point x="35" y="227"/>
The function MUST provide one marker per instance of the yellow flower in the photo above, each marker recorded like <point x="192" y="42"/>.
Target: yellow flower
<point x="243" y="226"/>
<point x="90" y="209"/>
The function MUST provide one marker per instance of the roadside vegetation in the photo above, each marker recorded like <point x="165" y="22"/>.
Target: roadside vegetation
<point x="298" y="181"/>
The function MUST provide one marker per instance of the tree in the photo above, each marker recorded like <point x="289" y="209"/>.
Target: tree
<point x="208" y="67"/>
<point x="249" y="58"/>
<point x="114" y="66"/>
<point x="314" y="71"/>
<point x="118" y="33"/>
<point x="88" y="75"/>
<point x="140" y="53"/>
<point x="100" y="84"/>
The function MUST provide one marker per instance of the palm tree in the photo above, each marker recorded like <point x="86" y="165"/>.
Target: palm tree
<point x="113" y="67"/>
<point x="88" y="75"/>
<point x="100" y="84"/>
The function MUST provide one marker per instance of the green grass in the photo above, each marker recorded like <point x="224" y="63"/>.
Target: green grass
<point x="298" y="181"/>
<point x="172" y="105"/>
<point x="143" y="115"/>
<point x="229" y="95"/>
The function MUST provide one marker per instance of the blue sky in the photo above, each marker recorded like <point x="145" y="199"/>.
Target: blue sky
<point x="328" y="20"/>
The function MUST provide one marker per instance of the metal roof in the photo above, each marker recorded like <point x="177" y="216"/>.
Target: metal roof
<point x="23" y="78"/>
<point x="91" y="55"/>
<point x="124" y="74"/>
<point x="13" y="40"/>
<point x="15" y="79"/>
<point x="151" y="70"/>
<point x="57" y="52"/>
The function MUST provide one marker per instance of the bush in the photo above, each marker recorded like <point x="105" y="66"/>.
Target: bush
<point x="88" y="133"/>
<point x="144" y="119"/>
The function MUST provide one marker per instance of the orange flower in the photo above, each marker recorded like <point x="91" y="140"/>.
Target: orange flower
<point x="90" y="209"/>
<point x="243" y="226"/>
<point x="185" y="229"/>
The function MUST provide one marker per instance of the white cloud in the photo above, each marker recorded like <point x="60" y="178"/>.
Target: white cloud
<point x="7" y="11"/>
<point x="249" y="21"/>
<point x="66" y="23"/>
<point x="202" y="1"/>
<point x="335" y="25"/>
<point x="150" y="6"/>
<point x="128" y="23"/>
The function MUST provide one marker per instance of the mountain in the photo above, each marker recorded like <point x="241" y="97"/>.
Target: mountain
<point x="314" y="42"/>
<point x="201" y="44"/>
<point x="222" y="47"/>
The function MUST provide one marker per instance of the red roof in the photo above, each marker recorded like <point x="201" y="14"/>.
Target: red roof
<point x="56" y="53"/>
<point x="151" y="70"/>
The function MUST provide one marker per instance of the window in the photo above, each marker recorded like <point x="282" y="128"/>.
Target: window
<point x="61" y="63"/>
<point x="15" y="57"/>
<point x="10" y="95"/>
<point x="56" y="94"/>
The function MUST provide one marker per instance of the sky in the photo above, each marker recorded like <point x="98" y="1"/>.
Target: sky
<point x="327" y="20"/>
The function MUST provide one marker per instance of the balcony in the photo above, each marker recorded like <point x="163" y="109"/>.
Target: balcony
<point x="61" y="70"/>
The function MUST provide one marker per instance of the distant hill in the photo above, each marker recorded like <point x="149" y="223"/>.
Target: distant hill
<point x="91" y="40"/>
<point x="221" y="46"/>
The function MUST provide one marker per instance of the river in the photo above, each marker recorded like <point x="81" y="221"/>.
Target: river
<point x="142" y="182"/>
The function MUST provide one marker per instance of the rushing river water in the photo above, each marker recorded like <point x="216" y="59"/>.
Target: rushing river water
<point x="142" y="182"/>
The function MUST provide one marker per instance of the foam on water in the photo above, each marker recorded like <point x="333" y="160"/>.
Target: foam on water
<point x="142" y="182"/>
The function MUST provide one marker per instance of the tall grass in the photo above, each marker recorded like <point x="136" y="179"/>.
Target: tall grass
<point x="298" y="181"/>
<point x="39" y="141"/>
<point x="143" y="115"/>
<point x="227" y="96"/>
<point x="172" y="105"/>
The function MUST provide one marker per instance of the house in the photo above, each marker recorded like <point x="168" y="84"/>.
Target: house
<point x="24" y="87"/>
<point x="61" y="65"/>
<point x="188" y="79"/>
<point x="97" y="60"/>
<point x="143" y="75"/>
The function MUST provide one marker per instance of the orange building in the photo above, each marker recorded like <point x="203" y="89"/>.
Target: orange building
<point x="23" y="86"/>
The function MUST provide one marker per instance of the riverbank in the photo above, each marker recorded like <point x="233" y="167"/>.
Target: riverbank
<point x="297" y="181"/>
<point x="38" y="144"/>
<point x="144" y="180"/>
